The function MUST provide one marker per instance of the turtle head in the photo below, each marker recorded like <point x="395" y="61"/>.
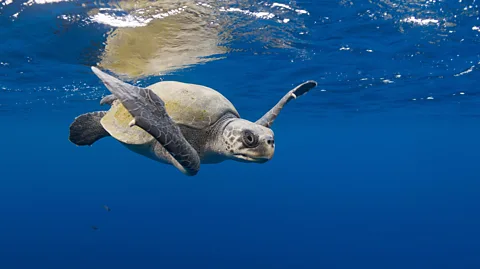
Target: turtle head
<point x="246" y="141"/>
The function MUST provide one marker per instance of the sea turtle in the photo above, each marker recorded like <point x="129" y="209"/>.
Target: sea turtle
<point x="179" y="123"/>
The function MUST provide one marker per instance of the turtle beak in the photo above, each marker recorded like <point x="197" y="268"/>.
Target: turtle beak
<point x="262" y="153"/>
<point x="268" y="148"/>
<point x="249" y="159"/>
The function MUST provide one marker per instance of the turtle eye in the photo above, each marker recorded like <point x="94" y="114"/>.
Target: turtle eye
<point x="250" y="139"/>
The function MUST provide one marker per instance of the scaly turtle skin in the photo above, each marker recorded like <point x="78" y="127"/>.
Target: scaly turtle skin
<point x="190" y="105"/>
<point x="180" y="124"/>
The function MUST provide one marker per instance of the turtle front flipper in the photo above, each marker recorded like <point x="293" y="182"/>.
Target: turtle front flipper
<point x="149" y="113"/>
<point x="268" y="119"/>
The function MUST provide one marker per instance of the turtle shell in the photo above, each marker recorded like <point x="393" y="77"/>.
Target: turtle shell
<point x="192" y="105"/>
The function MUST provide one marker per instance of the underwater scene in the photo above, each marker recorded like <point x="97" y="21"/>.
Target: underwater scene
<point x="240" y="134"/>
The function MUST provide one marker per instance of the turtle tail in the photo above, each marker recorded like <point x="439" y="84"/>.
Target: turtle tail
<point x="86" y="129"/>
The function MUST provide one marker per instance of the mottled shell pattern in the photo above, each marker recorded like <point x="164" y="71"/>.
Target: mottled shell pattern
<point x="192" y="105"/>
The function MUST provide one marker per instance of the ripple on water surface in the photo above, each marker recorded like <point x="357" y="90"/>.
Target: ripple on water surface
<point x="134" y="39"/>
<point x="368" y="56"/>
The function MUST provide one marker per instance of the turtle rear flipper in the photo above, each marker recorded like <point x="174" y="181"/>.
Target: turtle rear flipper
<point x="149" y="113"/>
<point x="86" y="129"/>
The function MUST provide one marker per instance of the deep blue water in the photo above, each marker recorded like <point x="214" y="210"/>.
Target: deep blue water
<point x="377" y="167"/>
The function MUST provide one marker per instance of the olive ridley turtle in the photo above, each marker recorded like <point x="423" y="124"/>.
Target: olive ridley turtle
<point x="181" y="124"/>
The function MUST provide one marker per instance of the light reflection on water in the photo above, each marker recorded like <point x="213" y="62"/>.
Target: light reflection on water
<point x="365" y="57"/>
<point x="133" y="39"/>
<point x="153" y="38"/>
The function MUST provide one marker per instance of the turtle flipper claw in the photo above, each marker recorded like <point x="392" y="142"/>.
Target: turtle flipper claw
<point x="304" y="88"/>
<point x="108" y="99"/>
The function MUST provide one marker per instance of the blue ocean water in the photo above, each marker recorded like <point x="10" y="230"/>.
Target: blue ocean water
<point x="377" y="167"/>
